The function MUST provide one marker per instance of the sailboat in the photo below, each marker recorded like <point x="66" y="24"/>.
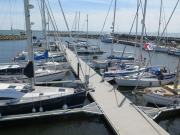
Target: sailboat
<point x="158" y="48"/>
<point x="112" y="60"/>
<point x="168" y="94"/>
<point x="151" y="76"/>
<point x="21" y="98"/>
<point x="89" y="49"/>
<point x="121" y="69"/>
<point x="22" y="57"/>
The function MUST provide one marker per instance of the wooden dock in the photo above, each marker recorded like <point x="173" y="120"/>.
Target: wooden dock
<point x="121" y="114"/>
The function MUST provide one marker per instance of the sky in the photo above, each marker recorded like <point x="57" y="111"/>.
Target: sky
<point x="12" y="14"/>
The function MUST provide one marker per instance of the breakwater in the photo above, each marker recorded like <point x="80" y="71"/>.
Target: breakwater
<point x="12" y="37"/>
<point x="122" y="38"/>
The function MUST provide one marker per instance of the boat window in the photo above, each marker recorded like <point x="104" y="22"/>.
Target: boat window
<point x="24" y="90"/>
<point x="151" y="77"/>
<point x="62" y="90"/>
<point x="129" y="69"/>
<point x="40" y="94"/>
<point x="12" y="87"/>
<point x="6" y="98"/>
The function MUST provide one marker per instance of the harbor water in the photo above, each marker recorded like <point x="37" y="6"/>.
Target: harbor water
<point x="83" y="123"/>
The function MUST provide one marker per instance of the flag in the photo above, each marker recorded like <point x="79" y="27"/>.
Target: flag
<point x="23" y="33"/>
<point x="17" y="54"/>
<point x="141" y="57"/>
<point x="148" y="47"/>
<point x="13" y="59"/>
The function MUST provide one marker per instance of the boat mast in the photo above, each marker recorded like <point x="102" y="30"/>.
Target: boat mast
<point x="136" y="31"/>
<point x="142" y="34"/>
<point x="177" y="75"/>
<point x="29" y="39"/>
<point x="87" y="31"/>
<point x="78" y="21"/>
<point x="44" y="23"/>
<point x="159" y="21"/>
<point x="113" y="28"/>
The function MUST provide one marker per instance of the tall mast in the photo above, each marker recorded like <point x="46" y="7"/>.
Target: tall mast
<point x="44" y="23"/>
<point x="75" y="22"/>
<point x="177" y="75"/>
<point x="29" y="39"/>
<point x="159" y="20"/>
<point x="113" y="28"/>
<point x="78" y="21"/>
<point x="87" y="31"/>
<point x="142" y="34"/>
<point x="136" y="31"/>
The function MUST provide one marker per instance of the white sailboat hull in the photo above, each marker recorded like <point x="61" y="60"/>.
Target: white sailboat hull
<point x="158" y="99"/>
<point x="174" y="52"/>
<point x="159" y="48"/>
<point x="143" y="82"/>
<point x="56" y="75"/>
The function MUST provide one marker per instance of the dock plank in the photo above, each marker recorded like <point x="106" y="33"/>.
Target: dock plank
<point x="122" y="114"/>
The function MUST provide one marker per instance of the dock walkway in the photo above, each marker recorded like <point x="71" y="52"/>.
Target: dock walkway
<point x="122" y="114"/>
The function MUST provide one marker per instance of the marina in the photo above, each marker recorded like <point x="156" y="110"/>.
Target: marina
<point x="60" y="79"/>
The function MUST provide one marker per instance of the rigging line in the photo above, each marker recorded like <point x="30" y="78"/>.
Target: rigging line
<point x="37" y="16"/>
<point x="58" y="35"/>
<point x="113" y="27"/>
<point x="136" y="31"/>
<point x="3" y="7"/>
<point x="24" y="18"/>
<point x="13" y="10"/>
<point x="157" y="43"/>
<point x="39" y="10"/>
<point x="82" y="28"/>
<point x="143" y="14"/>
<point x="5" y="15"/>
<point x="71" y="39"/>
<point x="48" y="41"/>
<point x="74" y="21"/>
<point x="128" y="37"/>
<point x="104" y="23"/>
<point x="10" y="14"/>
<point x="124" y="13"/>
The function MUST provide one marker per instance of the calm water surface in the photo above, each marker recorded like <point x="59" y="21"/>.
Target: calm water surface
<point x="83" y="124"/>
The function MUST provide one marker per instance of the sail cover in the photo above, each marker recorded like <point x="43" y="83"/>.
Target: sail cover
<point x="29" y="71"/>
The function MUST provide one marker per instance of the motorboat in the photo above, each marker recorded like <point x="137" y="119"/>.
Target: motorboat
<point x="107" y="38"/>
<point x="174" y="50"/>
<point x="90" y="50"/>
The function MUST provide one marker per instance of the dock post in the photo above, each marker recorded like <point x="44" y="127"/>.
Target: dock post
<point x="87" y="79"/>
<point x="78" y="69"/>
<point x="102" y="72"/>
